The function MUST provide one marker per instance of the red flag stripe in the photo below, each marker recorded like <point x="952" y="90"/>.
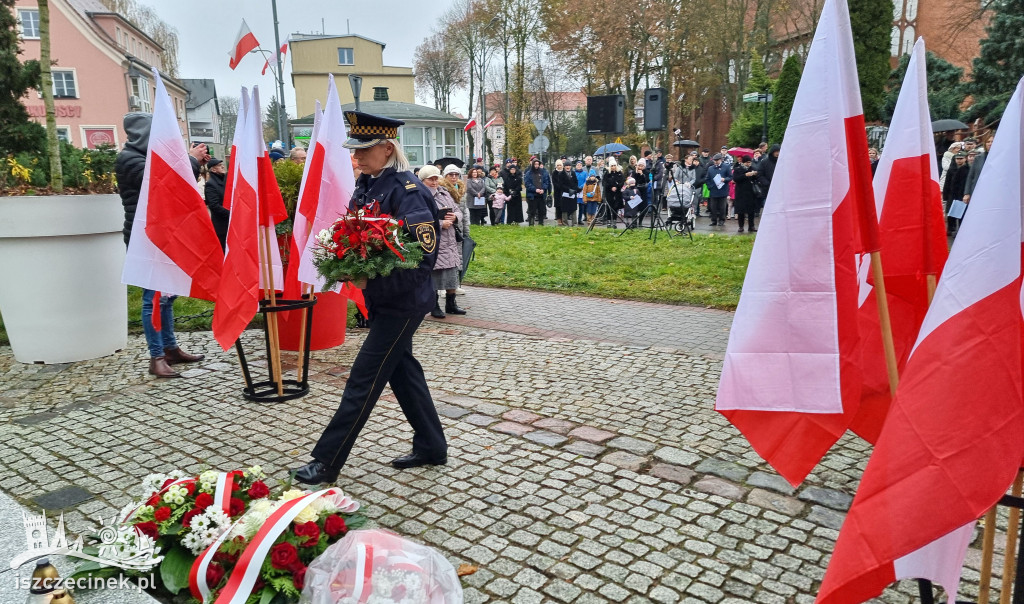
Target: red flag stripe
<point x="238" y="294"/>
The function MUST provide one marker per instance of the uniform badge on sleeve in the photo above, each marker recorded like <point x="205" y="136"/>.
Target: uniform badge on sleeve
<point x="425" y="234"/>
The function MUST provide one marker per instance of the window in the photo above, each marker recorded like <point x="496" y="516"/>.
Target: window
<point x="64" y="134"/>
<point x="412" y="144"/>
<point x="895" y="42"/>
<point x="908" y="40"/>
<point x="64" y="84"/>
<point x="345" y="56"/>
<point x="140" y="88"/>
<point x="29" y="22"/>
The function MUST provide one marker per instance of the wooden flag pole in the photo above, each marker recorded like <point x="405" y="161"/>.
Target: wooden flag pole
<point x="268" y="290"/>
<point x="987" y="547"/>
<point x="931" y="281"/>
<point x="1010" y="554"/>
<point x="891" y="367"/>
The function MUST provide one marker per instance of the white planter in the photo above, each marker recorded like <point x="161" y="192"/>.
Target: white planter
<point x="60" y="277"/>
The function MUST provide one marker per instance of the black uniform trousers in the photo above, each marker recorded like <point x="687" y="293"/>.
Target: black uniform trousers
<point x="385" y="357"/>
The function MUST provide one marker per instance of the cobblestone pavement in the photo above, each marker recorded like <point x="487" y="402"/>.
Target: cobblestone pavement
<point x="586" y="463"/>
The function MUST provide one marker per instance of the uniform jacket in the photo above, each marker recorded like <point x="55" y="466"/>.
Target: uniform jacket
<point x="405" y="292"/>
<point x="956" y="181"/>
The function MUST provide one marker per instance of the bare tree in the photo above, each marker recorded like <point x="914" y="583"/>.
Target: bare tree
<point x="439" y="71"/>
<point x="150" y="23"/>
<point x="229" y="106"/>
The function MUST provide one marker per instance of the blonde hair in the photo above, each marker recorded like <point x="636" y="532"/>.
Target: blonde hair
<point x="398" y="161"/>
<point x="558" y="164"/>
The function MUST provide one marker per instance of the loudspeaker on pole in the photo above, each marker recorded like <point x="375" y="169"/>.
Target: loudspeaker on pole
<point x="606" y="114"/>
<point x="655" y="109"/>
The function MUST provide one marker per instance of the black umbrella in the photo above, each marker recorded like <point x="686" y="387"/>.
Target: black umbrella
<point x="444" y="161"/>
<point x="468" y="245"/>
<point x="686" y="143"/>
<point x="947" y="125"/>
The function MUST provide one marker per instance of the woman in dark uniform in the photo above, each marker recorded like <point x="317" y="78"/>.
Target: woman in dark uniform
<point x="397" y="304"/>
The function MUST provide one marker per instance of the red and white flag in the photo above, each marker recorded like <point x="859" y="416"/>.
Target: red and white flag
<point x="954" y="437"/>
<point x="173" y="248"/>
<point x="791" y="378"/>
<point x="244" y="42"/>
<point x="470" y="124"/>
<point x="489" y="122"/>
<point x="271" y="203"/>
<point x="238" y="293"/>
<point x="281" y="52"/>
<point x="912" y="234"/>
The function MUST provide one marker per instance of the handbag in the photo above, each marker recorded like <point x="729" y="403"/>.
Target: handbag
<point x="759" y="190"/>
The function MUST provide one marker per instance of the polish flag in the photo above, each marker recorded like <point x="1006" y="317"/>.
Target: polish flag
<point x="281" y="52"/>
<point x="954" y="437"/>
<point x="490" y="121"/>
<point x="913" y="238"/>
<point x="173" y="248"/>
<point x="243" y="108"/>
<point x="791" y="379"/>
<point x="271" y="204"/>
<point x="238" y="294"/>
<point x="470" y="125"/>
<point x="328" y="184"/>
<point x="244" y="42"/>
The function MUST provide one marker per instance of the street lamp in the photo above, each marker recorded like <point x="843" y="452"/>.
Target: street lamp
<point x="356" y="82"/>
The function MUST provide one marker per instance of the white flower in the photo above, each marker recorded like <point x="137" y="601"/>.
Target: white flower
<point x="176" y="474"/>
<point x="179" y="500"/>
<point x="152" y="483"/>
<point x="308" y="514"/>
<point x="255" y="473"/>
<point x="168" y="497"/>
<point x="293" y="494"/>
<point x="199" y="523"/>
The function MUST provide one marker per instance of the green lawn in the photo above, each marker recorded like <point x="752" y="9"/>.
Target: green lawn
<point x="707" y="271"/>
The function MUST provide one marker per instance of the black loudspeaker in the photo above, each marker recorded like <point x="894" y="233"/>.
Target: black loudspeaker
<point x="655" y="109"/>
<point x="606" y="114"/>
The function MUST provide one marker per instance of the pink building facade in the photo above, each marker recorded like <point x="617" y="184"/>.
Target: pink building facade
<point x="102" y="70"/>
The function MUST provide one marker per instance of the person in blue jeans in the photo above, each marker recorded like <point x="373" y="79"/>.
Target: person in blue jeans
<point x="130" y="168"/>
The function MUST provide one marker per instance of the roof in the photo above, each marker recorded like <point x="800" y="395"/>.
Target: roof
<point x="300" y="37"/>
<point x="94" y="8"/>
<point x="407" y="112"/>
<point x="200" y="91"/>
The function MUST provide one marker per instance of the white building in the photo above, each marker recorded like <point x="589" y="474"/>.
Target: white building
<point x="203" y="115"/>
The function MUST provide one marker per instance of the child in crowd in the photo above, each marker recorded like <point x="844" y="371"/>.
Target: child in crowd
<point x="592" y="197"/>
<point x="498" y="201"/>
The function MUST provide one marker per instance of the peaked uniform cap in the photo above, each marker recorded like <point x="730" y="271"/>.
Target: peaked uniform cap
<point x="366" y="130"/>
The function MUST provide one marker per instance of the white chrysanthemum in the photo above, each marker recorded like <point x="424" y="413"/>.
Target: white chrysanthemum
<point x="179" y="500"/>
<point x="255" y="473"/>
<point x="293" y="494"/>
<point x="168" y="497"/>
<point x="217" y="517"/>
<point x="193" y="542"/>
<point x="153" y="482"/>
<point x="208" y="476"/>
<point x="200" y="523"/>
<point x="176" y="474"/>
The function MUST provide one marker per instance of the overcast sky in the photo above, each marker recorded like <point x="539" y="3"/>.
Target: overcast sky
<point x="207" y="30"/>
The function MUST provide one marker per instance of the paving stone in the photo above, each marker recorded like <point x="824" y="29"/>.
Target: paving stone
<point x="625" y="460"/>
<point x="594" y="435"/>
<point x="722" y="488"/>
<point x="774" y="501"/>
<point x="584" y="448"/>
<point x="545" y="438"/>
<point x="830" y="498"/>
<point x="723" y="469"/>
<point x="512" y="428"/>
<point x="674" y="473"/>
<point x="520" y="416"/>
<point x="632" y="445"/>
<point x="676" y="456"/>
<point x="826" y="517"/>
<point x="63" y="498"/>
<point x="478" y="419"/>
<point x="772" y="482"/>
<point x="452" y="411"/>
<point x="559" y="426"/>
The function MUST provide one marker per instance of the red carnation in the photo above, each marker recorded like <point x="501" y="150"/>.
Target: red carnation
<point x="258" y="490"/>
<point x="203" y="501"/>
<point x="235" y="486"/>
<point x="148" y="528"/>
<point x="191" y="488"/>
<point x="310" y="530"/>
<point x="153" y="501"/>
<point x="162" y="514"/>
<point x="299" y="578"/>
<point x="283" y="556"/>
<point x="214" y="573"/>
<point x="236" y="506"/>
<point x="225" y="557"/>
<point x="335" y="525"/>
<point x="186" y="520"/>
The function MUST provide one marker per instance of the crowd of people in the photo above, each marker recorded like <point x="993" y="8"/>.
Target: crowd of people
<point x="960" y="166"/>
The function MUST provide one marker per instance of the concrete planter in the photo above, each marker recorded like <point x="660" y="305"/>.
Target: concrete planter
<point x="60" y="277"/>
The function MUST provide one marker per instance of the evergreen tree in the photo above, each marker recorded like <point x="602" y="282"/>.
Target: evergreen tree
<point x="747" y="127"/>
<point x="1000" y="63"/>
<point x="871" y="21"/>
<point x="945" y="87"/>
<point x="785" y="94"/>
<point x="17" y="132"/>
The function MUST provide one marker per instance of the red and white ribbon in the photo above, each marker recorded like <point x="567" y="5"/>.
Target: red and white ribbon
<point x="197" y="576"/>
<point x="225" y="486"/>
<point x="247" y="570"/>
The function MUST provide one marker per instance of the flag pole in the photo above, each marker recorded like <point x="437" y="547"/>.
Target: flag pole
<point x="268" y="292"/>
<point x="884" y="321"/>
<point x="1010" y="553"/>
<point x="987" y="549"/>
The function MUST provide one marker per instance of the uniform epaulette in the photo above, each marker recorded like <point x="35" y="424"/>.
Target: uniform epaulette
<point x="409" y="185"/>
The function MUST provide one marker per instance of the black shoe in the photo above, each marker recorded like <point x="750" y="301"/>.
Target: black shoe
<point x="437" y="313"/>
<point x="451" y="307"/>
<point x="415" y="460"/>
<point x="739" y="230"/>
<point x="316" y="472"/>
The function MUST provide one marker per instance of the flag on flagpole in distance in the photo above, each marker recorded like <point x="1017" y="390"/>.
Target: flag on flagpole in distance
<point x="244" y="42"/>
<point x="470" y="124"/>
<point x="489" y="122"/>
<point x="173" y="248"/>
<point x="954" y="436"/>
<point x="913" y="239"/>
<point x="791" y="381"/>
<point x="238" y="292"/>
<point x="281" y="52"/>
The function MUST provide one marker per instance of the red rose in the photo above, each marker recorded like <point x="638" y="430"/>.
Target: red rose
<point x="148" y="528"/>
<point x="153" y="501"/>
<point x="310" y="530"/>
<point x="283" y="556"/>
<point x="258" y="490"/>
<point x="225" y="558"/>
<point x="162" y="514"/>
<point x="299" y="578"/>
<point x="214" y="573"/>
<point x="186" y="520"/>
<point x="203" y="501"/>
<point x="335" y="525"/>
<point x="236" y="506"/>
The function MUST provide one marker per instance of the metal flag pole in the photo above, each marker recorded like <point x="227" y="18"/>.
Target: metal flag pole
<point x="281" y="111"/>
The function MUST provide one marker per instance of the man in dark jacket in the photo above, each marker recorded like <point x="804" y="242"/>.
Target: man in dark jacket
<point x="130" y="168"/>
<point x="397" y="305"/>
<point x="215" y="184"/>
<point x="953" y="188"/>
<point x="718" y="176"/>
<point x="766" y="171"/>
<point x="538" y="185"/>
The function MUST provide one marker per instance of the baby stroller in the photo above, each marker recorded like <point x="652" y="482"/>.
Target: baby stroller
<point x="681" y="213"/>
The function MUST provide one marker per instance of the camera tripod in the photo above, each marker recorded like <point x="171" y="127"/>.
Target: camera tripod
<point x="605" y="212"/>
<point x="657" y="224"/>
